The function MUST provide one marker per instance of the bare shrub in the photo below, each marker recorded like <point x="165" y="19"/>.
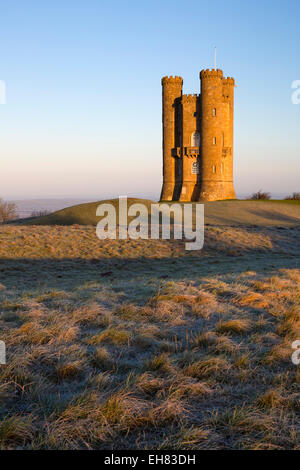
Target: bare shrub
<point x="260" y="195"/>
<point x="40" y="213"/>
<point x="293" y="197"/>
<point x="8" y="211"/>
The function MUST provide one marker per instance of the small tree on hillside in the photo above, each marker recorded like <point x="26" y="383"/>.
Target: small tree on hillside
<point x="260" y="195"/>
<point x="8" y="211"/>
<point x="41" y="213"/>
<point x="293" y="197"/>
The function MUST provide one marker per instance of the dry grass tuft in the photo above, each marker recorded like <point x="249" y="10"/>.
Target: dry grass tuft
<point x="69" y="371"/>
<point x="113" y="336"/>
<point x="101" y="359"/>
<point x="212" y="367"/>
<point x="236" y="326"/>
<point x="169" y="411"/>
<point x="159" y="363"/>
<point x="254" y="300"/>
<point x="189" y="389"/>
<point x="16" y="430"/>
<point x="271" y="399"/>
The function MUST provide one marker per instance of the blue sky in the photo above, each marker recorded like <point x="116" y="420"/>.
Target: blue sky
<point x="83" y="112"/>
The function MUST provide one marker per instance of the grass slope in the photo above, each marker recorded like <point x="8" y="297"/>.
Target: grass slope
<point x="259" y="213"/>
<point x="81" y="214"/>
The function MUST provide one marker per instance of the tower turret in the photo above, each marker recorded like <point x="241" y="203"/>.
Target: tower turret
<point x="171" y="90"/>
<point x="227" y="156"/>
<point x="216" y="127"/>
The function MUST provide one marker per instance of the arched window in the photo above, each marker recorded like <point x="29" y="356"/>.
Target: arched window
<point x="214" y="169"/>
<point x="214" y="111"/>
<point x="195" y="139"/>
<point x="214" y="141"/>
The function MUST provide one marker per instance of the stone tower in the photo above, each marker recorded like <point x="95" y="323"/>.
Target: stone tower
<point x="198" y="139"/>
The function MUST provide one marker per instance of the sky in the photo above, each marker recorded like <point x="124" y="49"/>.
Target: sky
<point x="83" y="91"/>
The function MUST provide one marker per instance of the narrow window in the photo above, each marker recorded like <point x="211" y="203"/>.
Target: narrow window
<point x="195" y="168"/>
<point x="195" y="139"/>
<point x="222" y="168"/>
<point x="214" y="169"/>
<point x="214" y="140"/>
<point x="214" y="112"/>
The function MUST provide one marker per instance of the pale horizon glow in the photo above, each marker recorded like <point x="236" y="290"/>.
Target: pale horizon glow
<point x="82" y="117"/>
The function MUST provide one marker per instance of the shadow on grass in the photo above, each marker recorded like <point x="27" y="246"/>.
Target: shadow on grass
<point x="74" y="272"/>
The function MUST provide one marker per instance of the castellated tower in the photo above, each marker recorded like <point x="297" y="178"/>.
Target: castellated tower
<point x="198" y="139"/>
<point x="171" y="96"/>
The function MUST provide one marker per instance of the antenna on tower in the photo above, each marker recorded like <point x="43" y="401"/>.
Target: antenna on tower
<point x="215" y="63"/>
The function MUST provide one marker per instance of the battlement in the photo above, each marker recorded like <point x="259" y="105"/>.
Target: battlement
<point x="208" y="74"/>
<point x="229" y="81"/>
<point x="171" y="79"/>
<point x="189" y="98"/>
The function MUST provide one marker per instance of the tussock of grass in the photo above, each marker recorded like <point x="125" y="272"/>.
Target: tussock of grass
<point x="237" y="326"/>
<point x="211" y="367"/>
<point x="289" y="327"/>
<point x="169" y="411"/>
<point x="16" y="430"/>
<point x="208" y="338"/>
<point x="271" y="399"/>
<point x="150" y="385"/>
<point x="279" y="353"/>
<point x="111" y="335"/>
<point x="226" y="345"/>
<point x="101" y="359"/>
<point x="254" y="300"/>
<point x="159" y="362"/>
<point x="32" y="333"/>
<point x="125" y="412"/>
<point x="189" y="389"/>
<point x="69" y="371"/>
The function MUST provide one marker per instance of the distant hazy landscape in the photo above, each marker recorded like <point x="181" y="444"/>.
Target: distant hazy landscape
<point x="25" y="207"/>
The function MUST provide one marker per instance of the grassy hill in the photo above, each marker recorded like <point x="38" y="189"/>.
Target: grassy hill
<point x="81" y="214"/>
<point x="243" y="212"/>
